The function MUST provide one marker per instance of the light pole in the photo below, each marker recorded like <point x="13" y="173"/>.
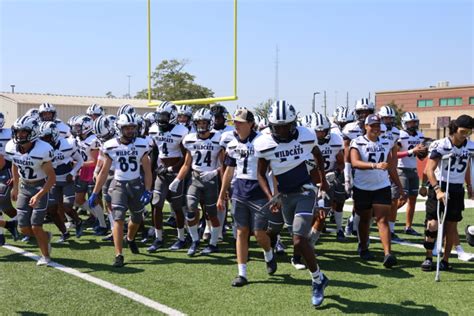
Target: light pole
<point x="314" y="105"/>
<point x="13" y="88"/>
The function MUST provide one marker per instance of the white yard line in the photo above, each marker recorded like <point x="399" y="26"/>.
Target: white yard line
<point x="107" y="285"/>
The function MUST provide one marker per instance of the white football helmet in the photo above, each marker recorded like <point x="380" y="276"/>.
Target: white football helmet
<point x="2" y="120"/>
<point x="306" y="120"/>
<point x="95" y="109"/>
<point x="320" y="123"/>
<point x="409" y="117"/>
<point x="28" y="124"/>
<point x="387" y="114"/>
<point x="363" y="105"/>
<point x="49" y="132"/>
<point x="83" y="125"/>
<point x="47" y="108"/>
<point x="203" y="115"/>
<point x="166" y="114"/>
<point x="125" y="109"/>
<point x="282" y="113"/>
<point x="126" y="120"/>
<point x="104" y="127"/>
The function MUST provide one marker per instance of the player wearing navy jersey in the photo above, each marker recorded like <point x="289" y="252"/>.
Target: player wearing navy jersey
<point x="460" y="150"/>
<point x="167" y="137"/>
<point x="285" y="151"/>
<point x="248" y="198"/>
<point x="128" y="153"/>
<point x="203" y="154"/>
<point x="66" y="162"/>
<point x="33" y="177"/>
<point x="410" y="147"/>
<point x="373" y="161"/>
<point x="5" y="184"/>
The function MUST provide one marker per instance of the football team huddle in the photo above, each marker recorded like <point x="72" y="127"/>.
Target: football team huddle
<point x="280" y="171"/>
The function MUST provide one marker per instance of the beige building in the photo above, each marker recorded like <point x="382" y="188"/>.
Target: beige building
<point x="13" y="105"/>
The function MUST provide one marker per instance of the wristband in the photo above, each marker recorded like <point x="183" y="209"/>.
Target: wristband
<point x="410" y="152"/>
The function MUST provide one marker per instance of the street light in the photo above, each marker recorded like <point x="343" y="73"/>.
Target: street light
<point x="314" y="105"/>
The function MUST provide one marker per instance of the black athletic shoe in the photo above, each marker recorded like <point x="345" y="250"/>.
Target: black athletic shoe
<point x="209" y="249"/>
<point x="193" y="249"/>
<point x="118" y="262"/>
<point x="271" y="266"/>
<point x="366" y="255"/>
<point x="395" y="238"/>
<point x="157" y="244"/>
<point x="79" y="229"/>
<point x="109" y="237"/>
<point x="64" y="237"/>
<point x="132" y="245"/>
<point x="279" y="248"/>
<point x="411" y="231"/>
<point x="389" y="261"/>
<point x="239" y="281"/>
<point x="427" y="265"/>
<point x="171" y="222"/>
<point x="11" y="226"/>
<point x="444" y="266"/>
<point x="179" y="244"/>
<point x="341" y="237"/>
<point x="2" y="239"/>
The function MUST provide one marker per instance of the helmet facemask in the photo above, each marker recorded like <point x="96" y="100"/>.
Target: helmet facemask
<point x="283" y="133"/>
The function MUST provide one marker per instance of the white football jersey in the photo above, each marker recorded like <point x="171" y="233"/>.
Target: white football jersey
<point x="65" y="154"/>
<point x="336" y="130"/>
<point x="329" y="151"/>
<point x="244" y="155"/>
<point x="227" y="128"/>
<point x="375" y="152"/>
<point x="205" y="152"/>
<point x="405" y="143"/>
<point x="30" y="164"/>
<point x="288" y="160"/>
<point x="352" y="131"/>
<point x="169" y="143"/>
<point x="64" y="130"/>
<point x="459" y="160"/>
<point x="85" y="146"/>
<point x="126" y="158"/>
<point x="5" y="137"/>
<point x="226" y="138"/>
<point x="392" y="134"/>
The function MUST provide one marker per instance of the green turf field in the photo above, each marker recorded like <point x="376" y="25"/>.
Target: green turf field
<point x="201" y="285"/>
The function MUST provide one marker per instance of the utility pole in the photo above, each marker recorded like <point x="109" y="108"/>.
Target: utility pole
<point x="325" y="105"/>
<point x="313" y="109"/>
<point x="13" y="88"/>
<point x="347" y="99"/>
<point x="129" y="76"/>
<point x="276" y="75"/>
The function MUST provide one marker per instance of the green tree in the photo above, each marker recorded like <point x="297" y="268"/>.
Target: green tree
<point x="399" y="112"/>
<point x="170" y="82"/>
<point x="263" y="107"/>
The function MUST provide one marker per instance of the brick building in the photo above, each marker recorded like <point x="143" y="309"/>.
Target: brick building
<point x="432" y="104"/>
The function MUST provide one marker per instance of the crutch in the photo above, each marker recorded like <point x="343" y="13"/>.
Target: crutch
<point x="439" y="240"/>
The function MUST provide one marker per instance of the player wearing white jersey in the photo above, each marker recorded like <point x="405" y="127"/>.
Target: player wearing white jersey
<point x="220" y="115"/>
<point x="460" y="151"/>
<point x="410" y="147"/>
<point x="88" y="145"/>
<point x="185" y="117"/>
<point x="373" y="161"/>
<point x="95" y="111"/>
<point x="33" y="177"/>
<point x="332" y="150"/>
<point x="47" y="113"/>
<point x="127" y="153"/>
<point x="203" y="154"/>
<point x="247" y="196"/>
<point x="285" y="151"/>
<point x="66" y="162"/>
<point x="167" y="137"/>
<point x="5" y="184"/>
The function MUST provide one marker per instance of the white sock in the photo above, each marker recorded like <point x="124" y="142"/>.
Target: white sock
<point x="234" y="231"/>
<point x="99" y="212"/>
<point x="159" y="234"/>
<point x="1" y="228"/>
<point x="268" y="255"/>
<point x="242" y="269"/>
<point x="392" y="226"/>
<point x="459" y="249"/>
<point x="338" y="218"/>
<point x="85" y="206"/>
<point x="356" y="222"/>
<point x="207" y="230"/>
<point x="221" y="217"/>
<point x="111" y="220"/>
<point x="214" y="235"/>
<point x="180" y="233"/>
<point x="316" y="276"/>
<point x="193" y="231"/>
<point x="315" y="236"/>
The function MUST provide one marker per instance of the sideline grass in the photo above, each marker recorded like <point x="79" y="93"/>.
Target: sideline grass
<point x="201" y="285"/>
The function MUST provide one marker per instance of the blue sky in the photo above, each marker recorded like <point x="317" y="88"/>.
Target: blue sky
<point x="89" y="47"/>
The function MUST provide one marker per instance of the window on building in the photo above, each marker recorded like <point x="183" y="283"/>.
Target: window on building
<point x="424" y="103"/>
<point x="471" y="100"/>
<point x="450" y="102"/>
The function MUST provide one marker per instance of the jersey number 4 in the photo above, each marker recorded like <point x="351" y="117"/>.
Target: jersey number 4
<point x="125" y="165"/>
<point x="207" y="158"/>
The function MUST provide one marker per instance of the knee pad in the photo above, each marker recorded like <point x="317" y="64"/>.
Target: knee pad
<point x="428" y="245"/>
<point x="431" y="234"/>
<point x="190" y="216"/>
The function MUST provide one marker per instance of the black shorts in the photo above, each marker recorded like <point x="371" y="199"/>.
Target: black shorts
<point x="363" y="199"/>
<point x="455" y="206"/>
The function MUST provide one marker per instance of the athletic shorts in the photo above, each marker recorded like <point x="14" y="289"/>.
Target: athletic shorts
<point x="28" y="216"/>
<point x="410" y="181"/>
<point x="394" y="191"/>
<point x="126" y="195"/>
<point x="62" y="191"/>
<point x="337" y="190"/>
<point x="297" y="209"/>
<point x="161" y="193"/>
<point x="455" y="205"/>
<point x="5" y="199"/>
<point x="250" y="214"/>
<point x="106" y="187"/>
<point x="83" y="187"/>
<point x="207" y="192"/>
<point x="364" y="200"/>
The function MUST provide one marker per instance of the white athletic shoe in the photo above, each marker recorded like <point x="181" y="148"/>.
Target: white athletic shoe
<point x="464" y="256"/>
<point x="297" y="264"/>
<point x="43" y="261"/>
